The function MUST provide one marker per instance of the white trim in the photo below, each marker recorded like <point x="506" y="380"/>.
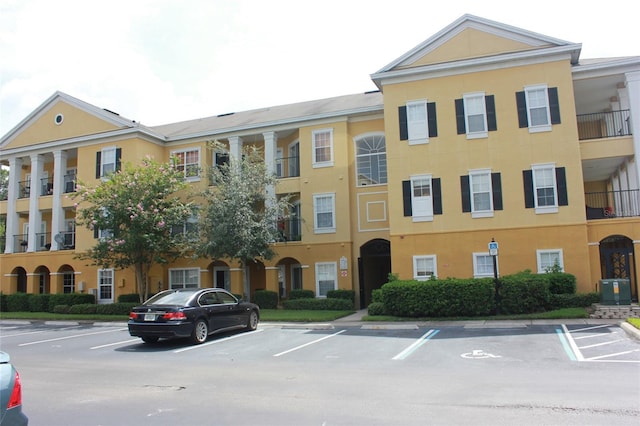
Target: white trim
<point x="477" y="274"/>
<point x="425" y="213"/>
<point x="315" y="162"/>
<point x="542" y="270"/>
<point x="417" y="258"/>
<point x="416" y="133"/>
<point x="328" y="229"/>
<point x="333" y="272"/>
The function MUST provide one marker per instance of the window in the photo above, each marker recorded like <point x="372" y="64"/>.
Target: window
<point x="68" y="282"/>
<point x="424" y="267"/>
<point x="422" y="198"/>
<point x="108" y="161"/>
<point x="184" y="278"/>
<point x="545" y="188"/>
<point x="483" y="265"/>
<point x="481" y="193"/>
<point x="188" y="229"/>
<point x="105" y="285"/>
<point x="476" y="115"/>
<point x="538" y="108"/>
<point x="418" y="121"/>
<point x="326" y="277"/>
<point x="188" y="162"/>
<point x="371" y="160"/>
<point x="322" y="147"/>
<point x="324" y="213"/>
<point x="548" y="259"/>
<point x="294" y="159"/>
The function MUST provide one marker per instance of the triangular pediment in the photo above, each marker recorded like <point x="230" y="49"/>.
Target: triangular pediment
<point x="471" y="39"/>
<point x="62" y="117"/>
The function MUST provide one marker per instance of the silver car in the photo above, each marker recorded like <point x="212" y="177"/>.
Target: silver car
<point x="10" y="394"/>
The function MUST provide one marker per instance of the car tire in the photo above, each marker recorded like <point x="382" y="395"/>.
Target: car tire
<point x="150" y="339"/>
<point x="252" y="322"/>
<point x="200" y="332"/>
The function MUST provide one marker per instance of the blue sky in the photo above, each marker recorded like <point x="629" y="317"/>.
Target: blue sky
<point x="160" y="61"/>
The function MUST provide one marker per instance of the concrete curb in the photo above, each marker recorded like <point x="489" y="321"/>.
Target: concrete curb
<point x="630" y="330"/>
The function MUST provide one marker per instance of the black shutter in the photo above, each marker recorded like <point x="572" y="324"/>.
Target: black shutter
<point x="490" y="105"/>
<point x="96" y="232"/>
<point x="521" y="103"/>
<point x="118" y="156"/>
<point x="98" y="171"/>
<point x="404" y="129"/>
<point x="432" y="120"/>
<point x="561" y="181"/>
<point x="406" y="198"/>
<point x="437" y="196"/>
<point x="466" y="193"/>
<point x="554" y="105"/>
<point x="496" y="187"/>
<point x="462" y="128"/>
<point x="527" y="178"/>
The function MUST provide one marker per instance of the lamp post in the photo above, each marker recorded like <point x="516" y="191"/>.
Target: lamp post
<point x="493" y="251"/>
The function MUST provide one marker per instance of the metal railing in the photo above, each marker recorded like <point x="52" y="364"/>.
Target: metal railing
<point x="289" y="230"/>
<point x="287" y="167"/>
<point x="612" y="204"/>
<point x="604" y="124"/>
<point x="24" y="189"/>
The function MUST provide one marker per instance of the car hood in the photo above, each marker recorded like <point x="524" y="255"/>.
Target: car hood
<point x="4" y="358"/>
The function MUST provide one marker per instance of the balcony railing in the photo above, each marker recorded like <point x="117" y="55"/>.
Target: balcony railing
<point x="604" y="125"/>
<point x="612" y="204"/>
<point x="289" y="230"/>
<point x="24" y="189"/>
<point x="288" y="167"/>
<point x="65" y="240"/>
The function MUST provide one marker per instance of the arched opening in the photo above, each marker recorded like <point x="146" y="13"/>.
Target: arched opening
<point x="255" y="278"/>
<point x="20" y="280"/>
<point x="289" y="276"/>
<point x="43" y="277"/>
<point x="616" y="260"/>
<point x="374" y="266"/>
<point x="220" y="275"/>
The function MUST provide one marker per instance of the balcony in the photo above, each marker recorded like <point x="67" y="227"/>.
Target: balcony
<point x="289" y="230"/>
<point x="601" y="125"/>
<point x="613" y="204"/>
<point x="287" y="167"/>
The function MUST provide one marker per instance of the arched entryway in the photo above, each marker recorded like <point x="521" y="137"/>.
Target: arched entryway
<point x="374" y="266"/>
<point x="21" y="280"/>
<point x="289" y="276"/>
<point x="220" y="274"/>
<point x="43" y="285"/>
<point x="616" y="260"/>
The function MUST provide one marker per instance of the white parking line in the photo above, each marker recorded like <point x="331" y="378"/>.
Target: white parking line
<point x="601" y="344"/>
<point x="114" y="344"/>
<point x="21" y="334"/>
<point x="69" y="337"/>
<point x="421" y="341"/>
<point x="310" y="343"/>
<point x="213" y="342"/>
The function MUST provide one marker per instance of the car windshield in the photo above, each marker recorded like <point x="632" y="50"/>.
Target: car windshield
<point x="170" y="298"/>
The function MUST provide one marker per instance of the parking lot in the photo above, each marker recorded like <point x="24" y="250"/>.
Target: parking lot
<point x="337" y="373"/>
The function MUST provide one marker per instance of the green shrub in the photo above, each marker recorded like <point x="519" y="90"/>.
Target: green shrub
<point x="561" y="283"/>
<point x="582" y="300"/>
<point x="84" y="308"/>
<point x="115" y="308"/>
<point x="39" y="303"/>
<point x="61" y="309"/>
<point x="524" y="293"/>
<point x="376" y="296"/>
<point x="18" y="302"/>
<point x="301" y="294"/>
<point x="439" y="298"/>
<point x="376" y="308"/>
<point x="349" y="295"/>
<point x="266" y="299"/>
<point x="70" y="299"/>
<point x="3" y="302"/>
<point x="129" y="298"/>
<point x="318" y="304"/>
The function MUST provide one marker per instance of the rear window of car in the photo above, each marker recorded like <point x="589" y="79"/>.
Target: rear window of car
<point x="170" y="298"/>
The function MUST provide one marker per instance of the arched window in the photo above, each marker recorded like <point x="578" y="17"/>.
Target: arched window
<point x="371" y="160"/>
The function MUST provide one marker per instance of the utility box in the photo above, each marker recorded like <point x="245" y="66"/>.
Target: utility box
<point x="615" y="291"/>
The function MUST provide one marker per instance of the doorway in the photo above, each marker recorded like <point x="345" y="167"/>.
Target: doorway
<point x="374" y="266"/>
<point x="616" y="260"/>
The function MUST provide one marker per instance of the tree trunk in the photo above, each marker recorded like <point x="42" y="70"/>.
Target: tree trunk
<point x="142" y="281"/>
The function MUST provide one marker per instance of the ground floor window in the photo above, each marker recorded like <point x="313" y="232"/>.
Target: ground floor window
<point x="549" y="259"/>
<point x="296" y="277"/>
<point x="326" y="278"/>
<point x="424" y="267"/>
<point x="184" y="278"/>
<point x="483" y="265"/>
<point x="68" y="282"/>
<point x="105" y="285"/>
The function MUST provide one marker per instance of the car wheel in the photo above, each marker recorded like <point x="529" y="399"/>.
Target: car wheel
<point x="200" y="332"/>
<point x="252" y="323"/>
<point x="150" y="339"/>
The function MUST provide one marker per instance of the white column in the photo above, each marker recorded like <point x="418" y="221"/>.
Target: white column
<point x="235" y="147"/>
<point x="633" y="92"/>
<point x="270" y="148"/>
<point x="11" y="227"/>
<point x="35" y="216"/>
<point x="57" y="212"/>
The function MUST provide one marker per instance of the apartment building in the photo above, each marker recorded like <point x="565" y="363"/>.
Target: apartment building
<point x="484" y="132"/>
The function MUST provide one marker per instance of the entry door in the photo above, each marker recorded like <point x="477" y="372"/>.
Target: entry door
<point x="221" y="278"/>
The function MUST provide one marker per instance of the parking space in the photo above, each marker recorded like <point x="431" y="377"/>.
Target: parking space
<point x="601" y="343"/>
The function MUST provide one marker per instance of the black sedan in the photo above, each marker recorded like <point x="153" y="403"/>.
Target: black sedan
<point x="191" y="312"/>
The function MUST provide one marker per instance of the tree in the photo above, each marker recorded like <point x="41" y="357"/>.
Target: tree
<point x="136" y="213"/>
<point x="240" y="219"/>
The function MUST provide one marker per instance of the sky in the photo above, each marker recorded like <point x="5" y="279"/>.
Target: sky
<point x="163" y="61"/>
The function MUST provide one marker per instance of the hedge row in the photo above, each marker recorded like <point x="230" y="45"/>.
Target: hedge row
<point x="26" y="302"/>
<point x="305" y="299"/>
